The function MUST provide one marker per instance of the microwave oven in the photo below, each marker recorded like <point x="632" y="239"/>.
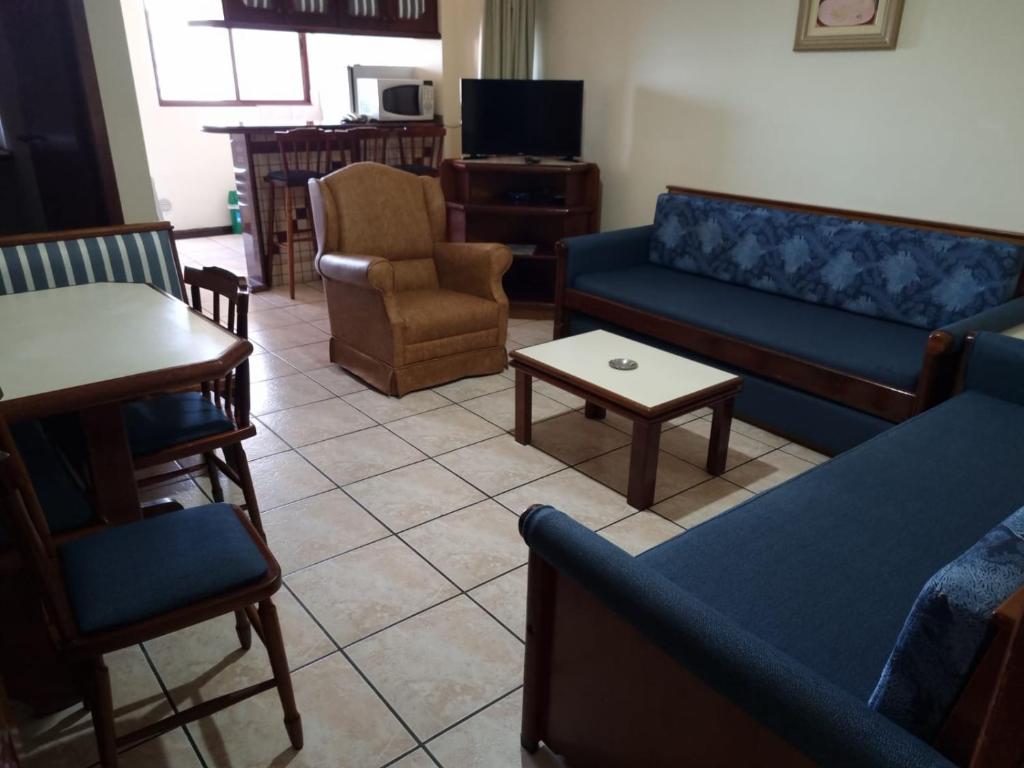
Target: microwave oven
<point x="383" y="98"/>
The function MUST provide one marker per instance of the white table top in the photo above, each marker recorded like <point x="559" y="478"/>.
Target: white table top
<point x="83" y="335"/>
<point x="660" y="379"/>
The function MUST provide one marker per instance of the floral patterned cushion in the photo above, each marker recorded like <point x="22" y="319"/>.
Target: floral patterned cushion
<point x="915" y="276"/>
<point x="947" y="628"/>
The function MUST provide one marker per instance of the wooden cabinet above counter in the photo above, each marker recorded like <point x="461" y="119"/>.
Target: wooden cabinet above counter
<point x="396" y="18"/>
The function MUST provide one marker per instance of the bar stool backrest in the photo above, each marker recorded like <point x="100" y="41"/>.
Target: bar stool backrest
<point x="305" y="150"/>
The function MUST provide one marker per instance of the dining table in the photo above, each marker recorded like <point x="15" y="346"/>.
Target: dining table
<point x="81" y="352"/>
<point x="87" y="349"/>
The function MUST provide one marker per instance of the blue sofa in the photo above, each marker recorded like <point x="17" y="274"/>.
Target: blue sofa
<point x="816" y="623"/>
<point x="840" y="323"/>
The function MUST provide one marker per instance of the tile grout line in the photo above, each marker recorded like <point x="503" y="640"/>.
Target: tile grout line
<point x="174" y="707"/>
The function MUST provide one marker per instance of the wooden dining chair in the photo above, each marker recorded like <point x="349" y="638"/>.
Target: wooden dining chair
<point x="180" y="426"/>
<point x="421" y="148"/>
<point x="305" y="153"/>
<point x="127" y="584"/>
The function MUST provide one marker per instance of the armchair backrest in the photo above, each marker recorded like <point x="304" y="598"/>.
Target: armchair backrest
<point x="368" y="209"/>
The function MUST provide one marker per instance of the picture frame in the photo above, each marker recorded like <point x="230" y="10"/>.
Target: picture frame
<point x="848" y="25"/>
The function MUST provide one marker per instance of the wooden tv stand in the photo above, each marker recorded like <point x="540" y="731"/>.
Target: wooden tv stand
<point x="507" y="200"/>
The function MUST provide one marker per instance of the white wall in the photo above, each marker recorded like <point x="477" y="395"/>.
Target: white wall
<point x="461" y="27"/>
<point x="120" y="109"/>
<point x="708" y="93"/>
<point x="192" y="171"/>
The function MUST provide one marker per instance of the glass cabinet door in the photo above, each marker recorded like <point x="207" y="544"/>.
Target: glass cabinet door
<point x="317" y="13"/>
<point x="413" y="16"/>
<point x="253" y="11"/>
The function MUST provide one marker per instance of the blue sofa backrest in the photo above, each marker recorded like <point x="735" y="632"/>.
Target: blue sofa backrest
<point x="910" y="275"/>
<point x="143" y="254"/>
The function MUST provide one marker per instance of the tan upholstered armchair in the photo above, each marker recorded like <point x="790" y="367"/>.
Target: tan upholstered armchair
<point x="407" y="309"/>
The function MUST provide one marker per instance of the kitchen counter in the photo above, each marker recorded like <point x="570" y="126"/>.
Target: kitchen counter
<point x="254" y="154"/>
<point x="260" y="128"/>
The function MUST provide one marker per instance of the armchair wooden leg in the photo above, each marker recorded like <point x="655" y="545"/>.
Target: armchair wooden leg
<point x="211" y="470"/>
<point x="236" y="459"/>
<point x="243" y="629"/>
<point x="102" y="705"/>
<point x="282" y="675"/>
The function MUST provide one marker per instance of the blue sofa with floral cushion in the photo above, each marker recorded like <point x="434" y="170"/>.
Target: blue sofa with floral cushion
<point x="842" y="324"/>
<point x="869" y="612"/>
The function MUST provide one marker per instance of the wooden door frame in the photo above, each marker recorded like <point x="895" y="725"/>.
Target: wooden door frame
<point x="94" y="110"/>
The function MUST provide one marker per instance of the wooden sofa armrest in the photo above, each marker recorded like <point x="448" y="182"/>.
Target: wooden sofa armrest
<point x="473" y="268"/>
<point x="367" y="272"/>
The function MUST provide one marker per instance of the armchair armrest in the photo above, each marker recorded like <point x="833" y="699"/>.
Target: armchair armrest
<point x="604" y="251"/>
<point x="367" y="272"/>
<point x="473" y="268"/>
<point x="998" y="318"/>
<point x="824" y="722"/>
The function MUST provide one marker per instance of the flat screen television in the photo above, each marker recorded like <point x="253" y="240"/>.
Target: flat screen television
<point x="522" y="117"/>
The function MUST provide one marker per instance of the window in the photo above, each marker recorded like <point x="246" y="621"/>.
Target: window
<point x="197" y="65"/>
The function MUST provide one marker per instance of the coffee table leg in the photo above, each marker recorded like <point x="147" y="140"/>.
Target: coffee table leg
<point x="592" y="411"/>
<point x="721" y="423"/>
<point x="524" y="407"/>
<point x="643" y="463"/>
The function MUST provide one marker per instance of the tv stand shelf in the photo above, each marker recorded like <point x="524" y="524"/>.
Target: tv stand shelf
<point x="507" y="200"/>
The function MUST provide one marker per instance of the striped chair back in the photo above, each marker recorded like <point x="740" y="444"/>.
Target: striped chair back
<point x="142" y="253"/>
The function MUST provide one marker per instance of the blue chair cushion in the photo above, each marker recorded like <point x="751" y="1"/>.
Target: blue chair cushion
<point x="128" y="573"/>
<point x="879" y="350"/>
<point x="827" y="566"/>
<point x="292" y="178"/>
<point x="162" y="422"/>
<point x="947" y="630"/>
<point x="910" y="275"/>
<point x="130" y="257"/>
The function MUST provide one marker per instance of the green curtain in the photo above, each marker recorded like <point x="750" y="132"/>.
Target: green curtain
<point x="508" y="39"/>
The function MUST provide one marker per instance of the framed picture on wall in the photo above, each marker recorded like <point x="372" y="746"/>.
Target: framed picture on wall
<point x="848" y="25"/>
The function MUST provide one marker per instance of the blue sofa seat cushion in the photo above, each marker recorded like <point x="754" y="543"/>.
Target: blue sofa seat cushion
<point x="827" y="566"/>
<point x="161" y="422"/>
<point x="947" y="630"/>
<point x="879" y="350"/>
<point x="129" y="573"/>
<point x="906" y="274"/>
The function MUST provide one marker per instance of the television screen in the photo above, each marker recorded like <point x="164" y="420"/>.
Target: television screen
<point x="522" y="117"/>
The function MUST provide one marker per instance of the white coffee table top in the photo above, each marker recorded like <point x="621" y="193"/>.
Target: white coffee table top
<point x="660" y="381"/>
<point x="85" y="336"/>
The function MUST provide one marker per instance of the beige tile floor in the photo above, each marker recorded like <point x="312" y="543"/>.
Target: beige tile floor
<point x="395" y="522"/>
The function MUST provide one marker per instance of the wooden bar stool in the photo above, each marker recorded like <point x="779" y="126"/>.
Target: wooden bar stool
<point x="367" y="144"/>
<point x="420" y="149"/>
<point x="305" y="154"/>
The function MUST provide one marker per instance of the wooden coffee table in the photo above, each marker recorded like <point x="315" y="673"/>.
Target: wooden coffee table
<point x="662" y="387"/>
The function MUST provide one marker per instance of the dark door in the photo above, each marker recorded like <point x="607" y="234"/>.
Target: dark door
<point x="55" y="166"/>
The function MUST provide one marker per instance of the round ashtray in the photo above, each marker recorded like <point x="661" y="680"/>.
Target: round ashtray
<point x="623" y="364"/>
